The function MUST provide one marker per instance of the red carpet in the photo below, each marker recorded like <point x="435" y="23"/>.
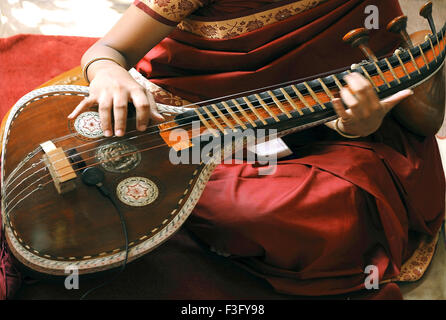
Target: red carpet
<point x="181" y="268"/>
<point x="27" y="61"/>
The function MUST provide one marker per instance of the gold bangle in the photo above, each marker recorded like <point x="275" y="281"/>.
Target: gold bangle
<point x="343" y="133"/>
<point x="84" y="71"/>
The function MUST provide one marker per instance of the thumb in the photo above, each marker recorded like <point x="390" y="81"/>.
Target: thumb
<point x="389" y="102"/>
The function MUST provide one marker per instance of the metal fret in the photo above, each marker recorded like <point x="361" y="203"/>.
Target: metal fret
<point x="279" y="105"/>
<point x="243" y="113"/>
<point x="381" y="74"/>
<point x="424" y="57"/>
<point x="438" y="43"/>
<point x="338" y="83"/>
<point x="444" y="42"/>
<point x="370" y="78"/>
<point x="414" y="62"/>
<point x="402" y="64"/>
<point x="211" y="116"/>
<point x="291" y="102"/>
<point x="302" y="98"/>
<point x="392" y="71"/>
<point x="314" y="96"/>
<point x="253" y="109"/>
<point x="442" y="39"/>
<point x="234" y="116"/>
<point x="206" y="124"/>
<point x="327" y="91"/>
<point x="265" y="106"/>
<point x="433" y="48"/>
<point x="225" y="120"/>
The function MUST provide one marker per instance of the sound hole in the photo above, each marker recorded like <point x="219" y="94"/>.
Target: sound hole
<point x="118" y="157"/>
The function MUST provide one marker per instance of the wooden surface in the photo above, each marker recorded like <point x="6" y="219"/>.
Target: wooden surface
<point x="82" y="224"/>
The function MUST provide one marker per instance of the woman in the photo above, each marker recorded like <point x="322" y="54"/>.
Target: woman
<point x="338" y="203"/>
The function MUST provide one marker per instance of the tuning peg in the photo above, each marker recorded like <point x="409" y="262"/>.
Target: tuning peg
<point x="398" y="25"/>
<point x="426" y="12"/>
<point x="360" y="38"/>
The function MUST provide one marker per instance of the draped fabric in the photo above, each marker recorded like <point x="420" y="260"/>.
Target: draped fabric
<point x="198" y="60"/>
<point x="328" y="212"/>
<point x="336" y="205"/>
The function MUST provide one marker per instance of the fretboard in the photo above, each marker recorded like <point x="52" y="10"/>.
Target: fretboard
<point x="305" y="104"/>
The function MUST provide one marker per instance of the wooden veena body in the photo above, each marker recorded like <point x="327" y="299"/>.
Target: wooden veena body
<point x="53" y="220"/>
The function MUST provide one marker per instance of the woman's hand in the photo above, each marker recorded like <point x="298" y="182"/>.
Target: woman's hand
<point x="365" y="112"/>
<point x="112" y="89"/>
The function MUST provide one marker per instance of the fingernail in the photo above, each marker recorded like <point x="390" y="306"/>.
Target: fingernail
<point x="119" y="132"/>
<point x="107" y="133"/>
<point x="142" y="127"/>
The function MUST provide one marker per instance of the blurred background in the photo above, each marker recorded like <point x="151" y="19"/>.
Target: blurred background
<point x="88" y="18"/>
<point x="92" y="18"/>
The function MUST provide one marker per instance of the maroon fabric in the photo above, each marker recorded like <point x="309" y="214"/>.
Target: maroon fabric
<point x="10" y="278"/>
<point x="303" y="45"/>
<point x="337" y="205"/>
<point x="332" y="209"/>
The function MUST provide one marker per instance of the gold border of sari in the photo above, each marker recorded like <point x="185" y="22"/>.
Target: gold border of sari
<point x="230" y="28"/>
<point x="182" y="10"/>
<point x="415" y="267"/>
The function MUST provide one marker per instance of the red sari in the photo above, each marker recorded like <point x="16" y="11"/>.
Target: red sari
<point x="336" y="205"/>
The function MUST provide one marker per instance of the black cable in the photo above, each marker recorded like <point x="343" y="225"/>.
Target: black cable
<point x="94" y="176"/>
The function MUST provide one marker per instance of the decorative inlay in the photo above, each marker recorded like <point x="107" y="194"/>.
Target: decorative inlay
<point x="118" y="157"/>
<point x="137" y="191"/>
<point x="88" y="124"/>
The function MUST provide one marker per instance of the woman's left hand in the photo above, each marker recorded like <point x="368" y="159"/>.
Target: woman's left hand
<point x="365" y="112"/>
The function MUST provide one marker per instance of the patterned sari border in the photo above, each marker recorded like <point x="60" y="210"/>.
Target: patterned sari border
<point x="230" y="28"/>
<point x="415" y="267"/>
<point x="144" y="7"/>
<point x="169" y="12"/>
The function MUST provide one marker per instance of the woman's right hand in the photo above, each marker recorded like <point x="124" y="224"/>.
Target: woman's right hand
<point x="111" y="90"/>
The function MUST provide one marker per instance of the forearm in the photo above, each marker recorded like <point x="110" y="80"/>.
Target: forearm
<point x="127" y="42"/>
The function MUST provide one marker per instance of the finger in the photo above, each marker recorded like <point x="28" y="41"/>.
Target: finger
<point x="153" y="110"/>
<point x="120" y="108"/>
<point x="340" y="109"/>
<point x="351" y="102"/>
<point x="105" y="107"/>
<point x="348" y="98"/>
<point x="393" y="100"/>
<point x="362" y="90"/>
<point x="356" y="81"/>
<point x="142" y="106"/>
<point x="86" y="103"/>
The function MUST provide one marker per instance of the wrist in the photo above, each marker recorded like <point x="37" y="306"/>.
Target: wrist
<point x="339" y="127"/>
<point x="101" y="63"/>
